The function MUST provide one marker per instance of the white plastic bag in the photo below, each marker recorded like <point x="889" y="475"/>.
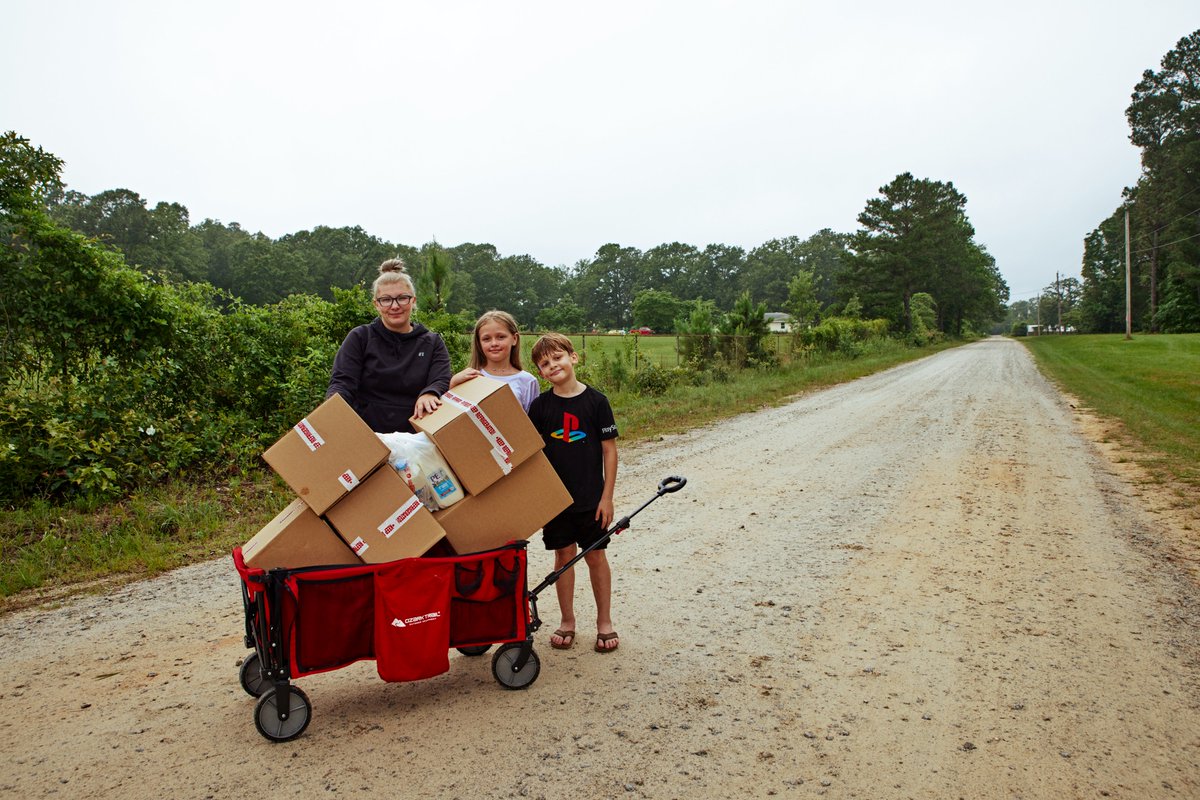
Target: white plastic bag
<point x="418" y="461"/>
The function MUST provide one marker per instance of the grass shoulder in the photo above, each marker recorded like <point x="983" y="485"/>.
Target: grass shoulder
<point x="1147" y="389"/>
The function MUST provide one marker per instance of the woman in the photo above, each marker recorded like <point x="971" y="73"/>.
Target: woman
<point x="391" y="368"/>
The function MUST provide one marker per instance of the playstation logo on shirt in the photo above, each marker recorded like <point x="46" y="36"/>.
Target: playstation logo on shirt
<point x="569" y="432"/>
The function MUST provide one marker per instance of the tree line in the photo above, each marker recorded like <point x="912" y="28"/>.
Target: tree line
<point x="915" y="238"/>
<point x="1163" y="210"/>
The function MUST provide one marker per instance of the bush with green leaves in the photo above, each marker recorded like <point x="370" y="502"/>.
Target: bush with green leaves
<point x="565" y="315"/>
<point x="923" y="310"/>
<point x="652" y="380"/>
<point x="696" y="340"/>
<point x="844" y="335"/>
<point x="694" y="372"/>
<point x="123" y="380"/>
<point x="743" y="332"/>
<point x="609" y="374"/>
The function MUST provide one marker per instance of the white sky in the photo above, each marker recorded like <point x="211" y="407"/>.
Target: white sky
<point x="552" y="128"/>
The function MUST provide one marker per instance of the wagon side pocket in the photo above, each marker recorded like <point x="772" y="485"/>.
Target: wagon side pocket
<point x="508" y="569"/>
<point x="333" y="623"/>
<point x="468" y="577"/>
<point x="476" y="580"/>
<point x="496" y="611"/>
<point x="412" y="619"/>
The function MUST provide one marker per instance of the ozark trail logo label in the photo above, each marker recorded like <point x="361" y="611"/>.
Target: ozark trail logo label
<point x="569" y="432"/>
<point x="417" y="620"/>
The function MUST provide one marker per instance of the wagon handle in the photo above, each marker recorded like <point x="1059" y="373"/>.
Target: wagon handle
<point x="667" y="485"/>
<point x="672" y="483"/>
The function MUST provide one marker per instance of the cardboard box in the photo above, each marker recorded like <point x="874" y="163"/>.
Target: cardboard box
<point x="326" y="454"/>
<point x="382" y="520"/>
<point x="513" y="508"/>
<point x="482" y="432"/>
<point x="296" y="538"/>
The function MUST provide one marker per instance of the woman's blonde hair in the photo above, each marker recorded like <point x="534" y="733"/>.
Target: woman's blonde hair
<point x="478" y="359"/>
<point x="392" y="271"/>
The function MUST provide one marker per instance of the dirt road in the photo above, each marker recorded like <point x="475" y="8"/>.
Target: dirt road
<point x="926" y="583"/>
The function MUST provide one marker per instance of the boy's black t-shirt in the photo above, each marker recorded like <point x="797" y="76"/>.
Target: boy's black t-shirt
<point x="572" y="428"/>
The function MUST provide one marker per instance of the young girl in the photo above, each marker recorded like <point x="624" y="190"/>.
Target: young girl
<point x="496" y="353"/>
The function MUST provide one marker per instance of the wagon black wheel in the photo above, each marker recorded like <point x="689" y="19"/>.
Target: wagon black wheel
<point x="502" y="667"/>
<point x="474" y="650"/>
<point x="251" y="676"/>
<point x="266" y="715"/>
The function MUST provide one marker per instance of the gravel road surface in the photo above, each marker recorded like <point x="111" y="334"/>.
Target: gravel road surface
<point x="927" y="583"/>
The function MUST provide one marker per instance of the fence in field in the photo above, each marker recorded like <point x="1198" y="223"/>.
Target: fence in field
<point x="662" y="350"/>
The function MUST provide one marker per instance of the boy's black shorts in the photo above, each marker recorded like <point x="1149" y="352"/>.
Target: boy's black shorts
<point x="573" y="527"/>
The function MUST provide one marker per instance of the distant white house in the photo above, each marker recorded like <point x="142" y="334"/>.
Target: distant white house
<point x="778" y="322"/>
<point x="1041" y="330"/>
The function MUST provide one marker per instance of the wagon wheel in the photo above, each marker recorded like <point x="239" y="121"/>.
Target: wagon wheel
<point x="251" y="675"/>
<point x="474" y="650"/>
<point x="502" y="667"/>
<point x="266" y="715"/>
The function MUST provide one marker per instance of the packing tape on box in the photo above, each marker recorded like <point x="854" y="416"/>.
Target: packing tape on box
<point x="501" y="450"/>
<point x="348" y="479"/>
<point x="308" y="434"/>
<point x="400" y="516"/>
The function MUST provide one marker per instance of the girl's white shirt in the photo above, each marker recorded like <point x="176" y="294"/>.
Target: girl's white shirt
<point x="524" y="385"/>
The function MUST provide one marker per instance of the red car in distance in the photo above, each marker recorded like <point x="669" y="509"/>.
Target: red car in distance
<point x="642" y="330"/>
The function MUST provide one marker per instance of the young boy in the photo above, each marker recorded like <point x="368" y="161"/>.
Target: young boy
<point x="577" y="425"/>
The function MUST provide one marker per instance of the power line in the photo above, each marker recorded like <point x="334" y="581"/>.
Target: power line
<point x="1186" y="194"/>
<point x="1167" y="244"/>
<point x="1182" y="216"/>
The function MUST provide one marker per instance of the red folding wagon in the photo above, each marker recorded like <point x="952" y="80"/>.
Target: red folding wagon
<point x="405" y="615"/>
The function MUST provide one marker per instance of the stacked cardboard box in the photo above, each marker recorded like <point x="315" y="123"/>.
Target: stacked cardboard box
<point x="358" y="510"/>
<point x="333" y="460"/>
<point x="382" y="520"/>
<point x="487" y="439"/>
<point x="515" y="507"/>
<point x="482" y="432"/>
<point x="296" y="538"/>
<point x="326" y="454"/>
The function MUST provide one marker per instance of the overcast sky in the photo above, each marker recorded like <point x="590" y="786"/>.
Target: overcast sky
<point x="552" y="128"/>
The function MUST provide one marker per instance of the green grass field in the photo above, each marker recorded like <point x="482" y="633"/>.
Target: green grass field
<point x="1151" y="384"/>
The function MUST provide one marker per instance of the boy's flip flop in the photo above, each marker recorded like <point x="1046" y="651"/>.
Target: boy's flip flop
<point x="568" y="639"/>
<point x="603" y="639"/>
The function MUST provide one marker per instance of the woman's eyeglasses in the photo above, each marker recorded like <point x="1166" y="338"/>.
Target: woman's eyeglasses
<point x="398" y="300"/>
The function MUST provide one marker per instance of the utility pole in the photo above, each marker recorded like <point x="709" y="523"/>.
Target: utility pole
<point x="1128" y="283"/>
<point x="1058" y="294"/>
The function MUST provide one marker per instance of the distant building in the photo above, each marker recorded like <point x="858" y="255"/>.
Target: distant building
<point x="778" y="322"/>
<point x="1042" y="330"/>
